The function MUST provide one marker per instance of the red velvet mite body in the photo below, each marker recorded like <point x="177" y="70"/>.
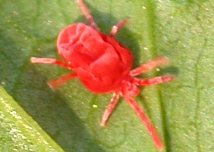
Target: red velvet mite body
<point x="103" y="65"/>
<point x="99" y="61"/>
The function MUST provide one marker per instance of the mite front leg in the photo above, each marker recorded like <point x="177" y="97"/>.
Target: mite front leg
<point x="144" y="119"/>
<point x="109" y="108"/>
<point x="160" y="60"/>
<point x="151" y="81"/>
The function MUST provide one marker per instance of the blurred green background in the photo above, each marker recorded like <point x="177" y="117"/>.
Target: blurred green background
<point x="35" y="118"/>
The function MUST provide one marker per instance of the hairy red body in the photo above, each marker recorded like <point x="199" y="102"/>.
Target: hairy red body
<point x="103" y="65"/>
<point x="99" y="61"/>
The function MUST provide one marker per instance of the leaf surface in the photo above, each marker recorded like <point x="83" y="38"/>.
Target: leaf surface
<point x="180" y="110"/>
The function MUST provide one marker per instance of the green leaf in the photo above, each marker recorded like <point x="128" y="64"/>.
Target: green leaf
<point x="18" y="131"/>
<point x="181" y="110"/>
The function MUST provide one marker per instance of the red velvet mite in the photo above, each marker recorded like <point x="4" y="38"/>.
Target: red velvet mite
<point x="103" y="65"/>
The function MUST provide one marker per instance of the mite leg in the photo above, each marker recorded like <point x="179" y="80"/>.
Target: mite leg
<point x="50" y="61"/>
<point x="160" y="60"/>
<point x="145" y="121"/>
<point x="86" y="13"/>
<point x="109" y="109"/>
<point x="60" y="80"/>
<point x="155" y="80"/>
<point x="116" y="27"/>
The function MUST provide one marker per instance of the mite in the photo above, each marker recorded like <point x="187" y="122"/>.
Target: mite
<point x="103" y="65"/>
